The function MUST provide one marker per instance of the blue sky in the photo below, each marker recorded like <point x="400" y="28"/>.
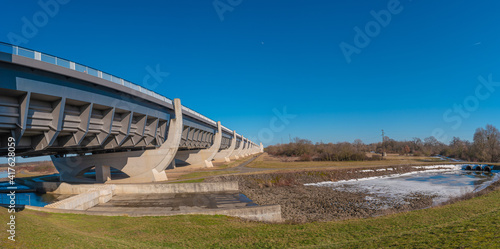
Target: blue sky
<point x="267" y="55"/>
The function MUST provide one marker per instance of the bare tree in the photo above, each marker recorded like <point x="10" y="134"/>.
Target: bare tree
<point x="479" y="146"/>
<point x="492" y="143"/>
<point x="417" y="144"/>
<point x="359" y="145"/>
<point x="407" y="149"/>
<point x="485" y="147"/>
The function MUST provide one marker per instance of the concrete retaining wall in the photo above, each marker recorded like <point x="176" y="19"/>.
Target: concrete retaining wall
<point x="257" y="213"/>
<point x="67" y="189"/>
<point x="152" y="188"/>
<point x="86" y="200"/>
<point x="176" y="188"/>
<point x="89" y="195"/>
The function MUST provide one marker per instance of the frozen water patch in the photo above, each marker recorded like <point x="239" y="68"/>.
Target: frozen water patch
<point x="437" y="168"/>
<point x="488" y="183"/>
<point x="441" y="182"/>
<point x="442" y="166"/>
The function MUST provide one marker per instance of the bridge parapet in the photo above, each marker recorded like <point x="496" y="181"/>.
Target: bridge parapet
<point x="54" y="60"/>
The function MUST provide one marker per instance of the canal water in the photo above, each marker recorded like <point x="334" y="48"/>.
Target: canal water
<point x="32" y="199"/>
<point x="441" y="182"/>
<point x="25" y="196"/>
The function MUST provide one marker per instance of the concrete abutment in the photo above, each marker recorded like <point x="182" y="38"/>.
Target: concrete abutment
<point x="88" y="196"/>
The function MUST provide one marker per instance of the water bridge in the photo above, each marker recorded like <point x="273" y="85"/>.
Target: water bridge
<point x="87" y="119"/>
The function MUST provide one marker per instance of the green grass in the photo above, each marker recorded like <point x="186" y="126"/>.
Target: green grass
<point x="233" y="164"/>
<point x="269" y="162"/>
<point x="473" y="223"/>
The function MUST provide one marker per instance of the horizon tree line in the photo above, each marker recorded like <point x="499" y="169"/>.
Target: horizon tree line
<point x="485" y="147"/>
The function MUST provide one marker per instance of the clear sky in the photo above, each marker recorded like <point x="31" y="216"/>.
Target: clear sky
<point x="238" y="60"/>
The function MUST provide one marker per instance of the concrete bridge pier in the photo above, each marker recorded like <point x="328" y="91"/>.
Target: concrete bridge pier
<point x="256" y="149"/>
<point x="252" y="150"/>
<point x="223" y="155"/>
<point x="249" y="146"/>
<point x="202" y="158"/>
<point x="102" y="173"/>
<point x="172" y="165"/>
<point x="140" y="166"/>
<point x="244" y="148"/>
<point x="236" y="152"/>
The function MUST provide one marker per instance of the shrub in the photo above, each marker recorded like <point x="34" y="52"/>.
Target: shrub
<point x="305" y="158"/>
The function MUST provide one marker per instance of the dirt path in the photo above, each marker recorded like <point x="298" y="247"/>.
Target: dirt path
<point x="242" y="168"/>
<point x="174" y="175"/>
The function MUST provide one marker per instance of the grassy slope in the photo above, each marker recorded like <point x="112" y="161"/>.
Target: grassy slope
<point x="233" y="163"/>
<point x="206" y="174"/>
<point x="197" y="174"/>
<point x="269" y="162"/>
<point x="472" y="223"/>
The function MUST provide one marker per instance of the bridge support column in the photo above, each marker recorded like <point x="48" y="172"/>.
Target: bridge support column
<point x="223" y="155"/>
<point x="140" y="166"/>
<point x="247" y="151"/>
<point x="244" y="153"/>
<point x="241" y="153"/>
<point x="256" y="149"/>
<point x="244" y="150"/>
<point x="102" y="173"/>
<point x="236" y="152"/>
<point x="172" y="165"/>
<point x="202" y="158"/>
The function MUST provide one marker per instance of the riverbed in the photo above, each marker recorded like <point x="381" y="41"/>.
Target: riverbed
<point x="442" y="183"/>
<point x="339" y="194"/>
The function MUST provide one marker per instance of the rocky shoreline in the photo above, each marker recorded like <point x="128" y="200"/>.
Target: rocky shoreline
<point x="301" y="203"/>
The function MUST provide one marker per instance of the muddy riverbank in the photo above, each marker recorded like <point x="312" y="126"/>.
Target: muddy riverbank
<point x="301" y="203"/>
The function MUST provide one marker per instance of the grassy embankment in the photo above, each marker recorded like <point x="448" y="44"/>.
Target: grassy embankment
<point x="273" y="164"/>
<point x="269" y="162"/>
<point x="206" y="174"/>
<point x="473" y="223"/>
<point x="31" y="169"/>
<point x="199" y="175"/>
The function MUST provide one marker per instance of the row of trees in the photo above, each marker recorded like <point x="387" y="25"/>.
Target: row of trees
<point x="484" y="148"/>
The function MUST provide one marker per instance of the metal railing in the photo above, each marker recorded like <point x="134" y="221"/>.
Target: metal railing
<point x="199" y="115"/>
<point x="226" y="129"/>
<point x="32" y="54"/>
